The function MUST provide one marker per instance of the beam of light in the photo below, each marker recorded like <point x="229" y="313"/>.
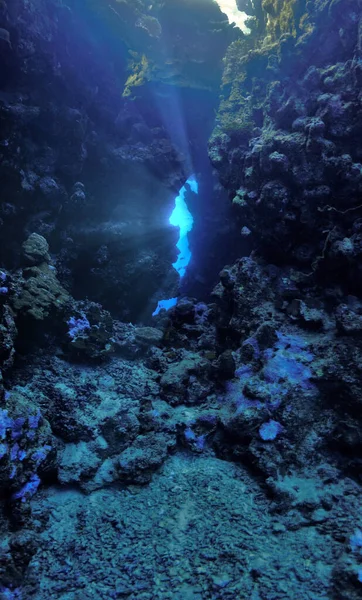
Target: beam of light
<point x="166" y="304"/>
<point x="170" y="108"/>
<point x="230" y="9"/>
<point x="182" y="218"/>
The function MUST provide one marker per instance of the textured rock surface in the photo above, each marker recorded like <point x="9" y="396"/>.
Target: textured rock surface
<point x="213" y="452"/>
<point x="287" y="145"/>
<point x="94" y="172"/>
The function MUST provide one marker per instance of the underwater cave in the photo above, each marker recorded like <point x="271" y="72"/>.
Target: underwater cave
<point x="180" y="299"/>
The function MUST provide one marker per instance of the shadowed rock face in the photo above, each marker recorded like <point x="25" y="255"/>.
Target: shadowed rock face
<point x="287" y="144"/>
<point x="93" y="151"/>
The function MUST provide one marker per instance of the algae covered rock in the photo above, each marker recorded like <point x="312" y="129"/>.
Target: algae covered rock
<point x="138" y="462"/>
<point x="244" y="296"/>
<point x="296" y="176"/>
<point x="8" y="333"/>
<point x="89" y="331"/>
<point x="187" y="381"/>
<point x="148" y="336"/>
<point x="349" y="320"/>
<point x="36" y="250"/>
<point x="36" y="291"/>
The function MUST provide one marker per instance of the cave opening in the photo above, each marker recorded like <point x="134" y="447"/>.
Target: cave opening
<point x="182" y="218"/>
<point x="231" y="10"/>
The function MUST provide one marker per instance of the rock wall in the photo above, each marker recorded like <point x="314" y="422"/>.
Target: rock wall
<point x="288" y="139"/>
<point x="88" y="157"/>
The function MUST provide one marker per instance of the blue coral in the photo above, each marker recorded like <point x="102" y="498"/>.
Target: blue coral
<point x="190" y="436"/>
<point x="14" y="432"/>
<point x="14" y="452"/>
<point x="270" y="430"/>
<point x="33" y="420"/>
<point x="8" y="594"/>
<point x="286" y="366"/>
<point x="5" y="423"/>
<point x="29" y="489"/>
<point x="40" y="455"/>
<point x="197" y="441"/>
<point x="288" y="361"/>
<point x="77" y="326"/>
<point x="355" y="542"/>
<point x="17" y="427"/>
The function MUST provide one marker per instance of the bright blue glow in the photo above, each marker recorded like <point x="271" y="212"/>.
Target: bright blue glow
<point x="166" y="304"/>
<point x="270" y="430"/>
<point x="182" y="218"/>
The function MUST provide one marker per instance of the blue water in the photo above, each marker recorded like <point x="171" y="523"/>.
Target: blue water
<point x="182" y="218"/>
